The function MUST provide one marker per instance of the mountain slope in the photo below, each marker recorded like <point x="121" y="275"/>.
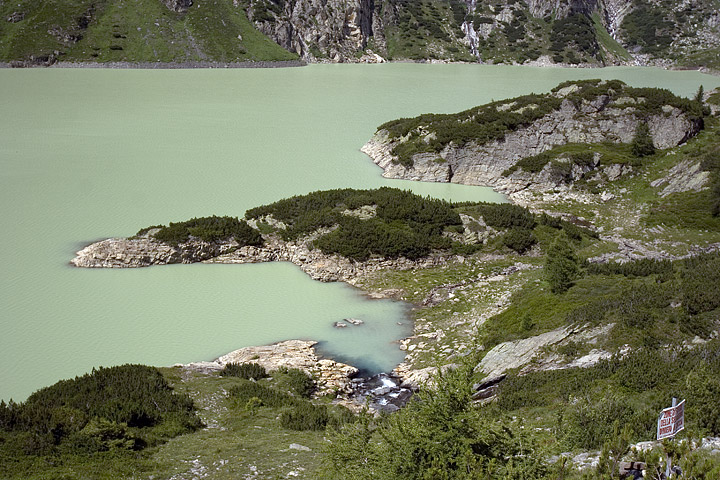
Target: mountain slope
<point x="592" y="32"/>
<point x="132" y="31"/>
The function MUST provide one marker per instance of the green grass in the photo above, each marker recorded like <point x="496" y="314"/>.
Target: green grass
<point x="237" y="441"/>
<point x="687" y="210"/>
<point x="137" y="31"/>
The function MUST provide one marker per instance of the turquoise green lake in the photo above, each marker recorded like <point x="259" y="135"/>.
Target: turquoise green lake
<point x="92" y="153"/>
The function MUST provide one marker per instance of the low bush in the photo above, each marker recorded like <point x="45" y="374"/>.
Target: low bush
<point x="519" y="239"/>
<point x="128" y="406"/>
<point x="295" y="381"/>
<point x="305" y="416"/>
<point x="404" y="224"/>
<point x="209" y="229"/>
<point x="244" y="370"/>
<point x="268" y="396"/>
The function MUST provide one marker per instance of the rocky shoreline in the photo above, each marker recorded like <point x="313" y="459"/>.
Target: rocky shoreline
<point x="144" y="251"/>
<point x="331" y="377"/>
<point x="494" y="164"/>
<point x="382" y="392"/>
<point x="155" y="65"/>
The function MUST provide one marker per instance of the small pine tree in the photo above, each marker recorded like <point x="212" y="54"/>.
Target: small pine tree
<point x="700" y="94"/>
<point x="642" y="144"/>
<point x="561" y="265"/>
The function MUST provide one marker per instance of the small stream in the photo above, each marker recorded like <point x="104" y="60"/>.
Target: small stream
<point x="381" y="392"/>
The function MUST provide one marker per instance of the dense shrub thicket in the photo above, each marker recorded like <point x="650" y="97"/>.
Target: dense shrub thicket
<point x="244" y="370"/>
<point x="637" y="268"/>
<point x="646" y="27"/>
<point x="676" y="301"/>
<point x="654" y="98"/>
<point x="486" y="123"/>
<point x="711" y="163"/>
<point x="127" y="407"/>
<point x="573" y="231"/>
<point x="561" y="264"/>
<point x="576" y="29"/>
<point x="404" y="224"/>
<point x="295" y="381"/>
<point x="439" y="436"/>
<point x="298" y="412"/>
<point x="210" y="229"/>
<point x="506" y="215"/>
<point x="635" y="388"/>
<point x="642" y="142"/>
<point x="480" y="125"/>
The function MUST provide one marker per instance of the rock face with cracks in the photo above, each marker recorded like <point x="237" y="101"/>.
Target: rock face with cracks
<point x="602" y="119"/>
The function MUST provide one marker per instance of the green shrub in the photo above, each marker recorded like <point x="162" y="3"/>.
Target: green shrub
<point x="642" y="143"/>
<point x="575" y="30"/>
<point x="561" y="265"/>
<point x="519" y="239"/>
<point x="637" y="268"/>
<point x="701" y="276"/>
<point x="305" y="416"/>
<point x="646" y="26"/>
<point x="506" y="215"/>
<point x="442" y="435"/>
<point x="268" y="396"/>
<point x="209" y="229"/>
<point x="295" y="381"/>
<point x="244" y="370"/>
<point x="126" y="406"/>
<point x="404" y="225"/>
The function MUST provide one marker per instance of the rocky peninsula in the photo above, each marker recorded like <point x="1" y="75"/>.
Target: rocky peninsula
<point x="435" y="148"/>
<point x="145" y="251"/>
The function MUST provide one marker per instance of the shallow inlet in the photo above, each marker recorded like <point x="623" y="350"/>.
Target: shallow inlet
<point x="89" y="154"/>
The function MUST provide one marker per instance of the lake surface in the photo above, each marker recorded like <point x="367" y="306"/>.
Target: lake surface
<point x="90" y="154"/>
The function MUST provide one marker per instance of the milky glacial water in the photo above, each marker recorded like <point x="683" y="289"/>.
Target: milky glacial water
<point x="87" y="154"/>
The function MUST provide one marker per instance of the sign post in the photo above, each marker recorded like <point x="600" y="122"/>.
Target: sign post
<point x="670" y="422"/>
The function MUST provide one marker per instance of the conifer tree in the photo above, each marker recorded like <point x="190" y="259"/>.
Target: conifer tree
<point x="642" y="144"/>
<point x="561" y="264"/>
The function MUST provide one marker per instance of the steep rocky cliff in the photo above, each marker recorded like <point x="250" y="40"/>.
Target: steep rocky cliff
<point x="540" y="31"/>
<point x="334" y="29"/>
<point x="543" y="32"/>
<point x="485" y="145"/>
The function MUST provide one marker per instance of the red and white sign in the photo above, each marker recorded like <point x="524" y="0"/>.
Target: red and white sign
<point x="671" y="421"/>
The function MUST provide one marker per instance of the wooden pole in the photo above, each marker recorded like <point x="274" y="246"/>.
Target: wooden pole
<point x="667" y="456"/>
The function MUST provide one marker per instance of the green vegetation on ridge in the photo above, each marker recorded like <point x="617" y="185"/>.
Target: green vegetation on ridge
<point x="431" y="133"/>
<point x="97" y="420"/>
<point x="399" y="223"/>
<point x="132" y="31"/>
<point x="209" y="229"/>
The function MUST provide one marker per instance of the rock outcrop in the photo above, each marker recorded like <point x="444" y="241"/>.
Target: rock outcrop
<point x="145" y="251"/>
<point x="602" y="119"/>
<point x="330" y="376"/>
<point x="179" y="6"/>
<point x="317" y="29"/>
